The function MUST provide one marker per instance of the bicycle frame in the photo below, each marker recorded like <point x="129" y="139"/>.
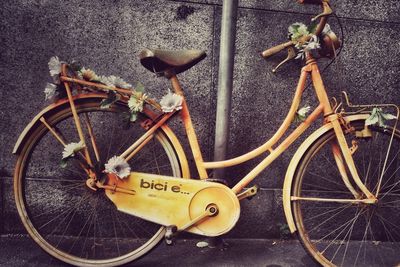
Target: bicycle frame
<point x="341" y="151"/>
<point x="324" y="108"/>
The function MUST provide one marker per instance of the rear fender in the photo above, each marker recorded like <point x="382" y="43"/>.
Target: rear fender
<point x="48" y="111"/>
<point x="64" y="103"/>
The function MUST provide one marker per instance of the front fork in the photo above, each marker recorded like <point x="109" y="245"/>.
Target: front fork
<point x="335" y="119"/>
<point x="343" y="154"/>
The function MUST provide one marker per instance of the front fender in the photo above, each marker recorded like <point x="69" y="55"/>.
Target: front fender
<point x="287" y="185"/>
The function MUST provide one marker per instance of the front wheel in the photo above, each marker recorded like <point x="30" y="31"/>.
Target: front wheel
<point x="71" y="221"/>
<point x="345" y="233"/>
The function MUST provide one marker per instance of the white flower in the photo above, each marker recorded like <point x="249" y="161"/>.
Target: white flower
<point x="55" y="68"/>
<point x="119" y="82"/>
<point x="116" y="81"/>
<point x="171" y="102"/>
<point x="303" y="111"/>
<point x="71" y="148"/>
<point x="301" y="114"/>
<point x="118" y="166"/>
<point x="135" y="103"/>
<point x="88" y="75"/>
<point x="50" y="91"/>
<point x="312" y="44"/>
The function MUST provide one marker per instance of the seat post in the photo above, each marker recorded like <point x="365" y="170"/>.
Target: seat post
<point x="187" y="121"/>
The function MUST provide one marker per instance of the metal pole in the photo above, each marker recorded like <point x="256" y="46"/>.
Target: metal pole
<point x="225" y="81"/>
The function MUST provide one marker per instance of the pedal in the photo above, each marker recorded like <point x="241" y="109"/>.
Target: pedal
<point x="248" y="193"/>
<point x="169" y="234"/>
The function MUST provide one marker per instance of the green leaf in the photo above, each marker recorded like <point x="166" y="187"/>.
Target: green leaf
<point x="75" y="66"/>
<point x="112" y="97"/>
<point x="133" y="117"/>
<point x="139" y="87"/>
<point x="312" y="28"/>
<point x="299" y="118"/>
<point x="371" y="120"/>
<point x="388" y="116"/>
<point x="379" y="117"/>
<point x="64" y="163"/>
<point x="297" y="30"/>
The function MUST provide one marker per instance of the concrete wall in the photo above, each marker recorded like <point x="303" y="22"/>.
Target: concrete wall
<point x="107" y="35"/>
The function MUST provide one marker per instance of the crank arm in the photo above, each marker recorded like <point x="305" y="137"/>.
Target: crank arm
<point x="248" y="193"/>
<point x="210" y="211"/>
<point x="172" y="230"/>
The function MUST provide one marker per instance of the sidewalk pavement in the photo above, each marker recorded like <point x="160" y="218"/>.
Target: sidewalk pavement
<point x="19" y="250"/>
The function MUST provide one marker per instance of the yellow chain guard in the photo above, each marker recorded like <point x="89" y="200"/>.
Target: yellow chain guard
<point x="169" y="200"/>
<point x="228" y="210"/>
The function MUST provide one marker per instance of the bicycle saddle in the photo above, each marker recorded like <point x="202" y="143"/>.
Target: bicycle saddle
<point x="160" y="61"/>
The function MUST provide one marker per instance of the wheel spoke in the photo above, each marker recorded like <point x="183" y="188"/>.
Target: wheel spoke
<point x="333" y="226"/>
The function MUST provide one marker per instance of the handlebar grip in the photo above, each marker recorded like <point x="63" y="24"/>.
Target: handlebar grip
<point x="311" y="2"/>
<point x="273" y="50"/>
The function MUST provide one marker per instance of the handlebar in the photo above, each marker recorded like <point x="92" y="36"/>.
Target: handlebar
<point x="276" y="49"/>
<point x="323" y="19"/>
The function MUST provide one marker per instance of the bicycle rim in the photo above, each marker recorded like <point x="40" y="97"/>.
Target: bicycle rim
<point x="343" y="233"/>
<point x="76" y="224"/>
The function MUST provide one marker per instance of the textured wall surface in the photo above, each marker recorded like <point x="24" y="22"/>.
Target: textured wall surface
<point x="107" y="35"/>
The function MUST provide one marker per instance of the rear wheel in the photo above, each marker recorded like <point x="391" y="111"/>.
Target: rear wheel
<point x="346" y="233"/>
<point x="65" y="217"/>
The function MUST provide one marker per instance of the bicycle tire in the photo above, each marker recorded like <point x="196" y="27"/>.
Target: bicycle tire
<point x="67" y="219"/>
<point x="346" y="234"/>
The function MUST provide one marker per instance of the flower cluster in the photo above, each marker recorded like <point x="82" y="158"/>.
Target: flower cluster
<point x="299" y="30"/>
<point x="169" y="103"/>
<point x="55" y="68"/>
<point x="88" y="75"/>
<point x="114" y="81"/>
<point x="301" y="114"/>
<point x="310" y="45"/>
<point x="52" y="90"/>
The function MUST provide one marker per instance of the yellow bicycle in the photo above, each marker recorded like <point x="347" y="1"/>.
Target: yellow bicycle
<point x="341" y="192"/>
